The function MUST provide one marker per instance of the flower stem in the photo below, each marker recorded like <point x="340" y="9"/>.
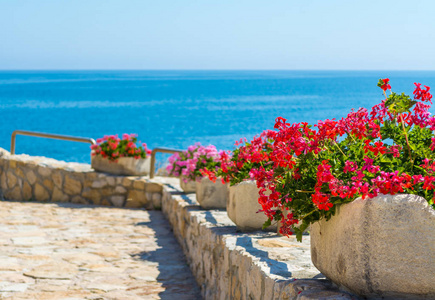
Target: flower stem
<point x="406" y="137"/>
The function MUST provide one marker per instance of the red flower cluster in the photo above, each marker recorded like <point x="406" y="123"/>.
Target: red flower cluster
<point x="113" y="148"/>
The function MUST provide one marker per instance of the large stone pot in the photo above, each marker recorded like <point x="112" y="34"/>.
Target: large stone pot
<point x="187" y="185"/>
<point x="242" y="207"/>
<point x="211" y="194"/>
<point x="123" y="166"/>
<point x="379" y="248"/>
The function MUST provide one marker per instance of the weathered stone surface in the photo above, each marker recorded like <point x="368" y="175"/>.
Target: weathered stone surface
<point x="48" y="184"/>
<point x="79" y="200"/>
<point x="89" y="252"/>
<point x="120" y="189"/>
<point x="211" y="194"/>
<point x="44" y="171"/>
<point x="118" y="201"/>
<point x="31" y="177"/>
<point x="14" y="194"/>
<point x="93" y="194"/>
<point x="3" y="184"/>
<point x="124" y="165"/>
<point x="41" y="193"/>
<point x="243" y="207"/>
<point x="12" y="179"/>
<point x="152" y="187"/>
<point x="157" y="200"/>
<point x="139" y="184"/>
<point x="131" y="203"/>
<point x="57" y="179"/>
<point x="137" y="196"/>
<point x="380" y="247"/>
<point x="27" y="191"/>
<point x="72" y="186"/>
<point x="59" y="196"/>
<point x="188" y="186"/>
<point x="231" y="265"/>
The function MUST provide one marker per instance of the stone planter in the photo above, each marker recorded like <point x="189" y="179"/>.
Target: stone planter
<point x="379" y="248"/>
<point x="242" y="207"/>
<point x="189" y="186"/>
<point x="211" y="194"/>
<point x="124" y="165"/>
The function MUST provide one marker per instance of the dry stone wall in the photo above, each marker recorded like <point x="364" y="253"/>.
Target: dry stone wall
<point x="229" y="264"/>
<point x="24" y="177"/>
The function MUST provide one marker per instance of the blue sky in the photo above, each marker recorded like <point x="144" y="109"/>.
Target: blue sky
<point x="219" y="34"/>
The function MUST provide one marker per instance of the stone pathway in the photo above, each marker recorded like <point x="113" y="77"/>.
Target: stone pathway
<point x="67" y="251"/>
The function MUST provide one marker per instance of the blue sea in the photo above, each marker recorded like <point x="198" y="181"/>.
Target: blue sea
<point x="178" y="108"/>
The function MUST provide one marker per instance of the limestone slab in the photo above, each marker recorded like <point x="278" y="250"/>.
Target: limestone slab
<point x="379" y="248"/>
<point x="211" y="194"/>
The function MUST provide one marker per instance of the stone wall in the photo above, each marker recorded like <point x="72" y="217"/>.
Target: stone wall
<point x="28" y="178"/>
<point x="229" y="264"/>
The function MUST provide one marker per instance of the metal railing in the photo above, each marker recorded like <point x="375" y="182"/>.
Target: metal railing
<point x="49" y="136"/>
<point x="153" y="157"/>
<point x="85" y="140"/>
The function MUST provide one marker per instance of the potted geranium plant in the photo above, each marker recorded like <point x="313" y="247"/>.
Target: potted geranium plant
<point x="120" y="156"/>
<point x="238" y="169"/>
<point x="194" y="166"/>
<point x="366" y="184"/>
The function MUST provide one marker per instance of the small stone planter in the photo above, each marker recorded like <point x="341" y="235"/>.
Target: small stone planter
<point x="379" y="248"/>
<point x="123" y="166"/>
<point x="211" y="194"/>
<point x="242" y="207"/>
<point x="187" y="185"/>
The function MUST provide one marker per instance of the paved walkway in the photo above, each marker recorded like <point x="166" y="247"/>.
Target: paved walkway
<point x="66" y="251"/>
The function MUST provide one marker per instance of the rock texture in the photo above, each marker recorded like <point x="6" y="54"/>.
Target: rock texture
<point x="124" y="166"/>
<point x="379" y="248"/>
<point x="243" y="207"/>
<point x="24" y="177"/>
<point x="211" y="194"/>
<point x="188" y="186"/>
<point x="228" y="264"/>
<point x="66" y="251"/>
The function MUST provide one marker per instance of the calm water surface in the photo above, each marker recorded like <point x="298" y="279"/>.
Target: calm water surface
<point x="178" y="108"/>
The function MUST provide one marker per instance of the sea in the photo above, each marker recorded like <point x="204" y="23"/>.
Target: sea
<point x="175" y="109"/>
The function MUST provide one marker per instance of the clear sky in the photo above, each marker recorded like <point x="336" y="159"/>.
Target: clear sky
<point x="217" y="34"/>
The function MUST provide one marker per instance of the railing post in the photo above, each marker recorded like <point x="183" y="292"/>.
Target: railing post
<point x="153" y="157"/>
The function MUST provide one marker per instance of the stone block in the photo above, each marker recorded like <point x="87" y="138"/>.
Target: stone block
<point x="57" y="179"/>
<point x="41" y="193"/>
<point x="123" y="166"/>
<point x="379" y="248"/>
<point x="79" y="200"/>
<point x="27" y="191"/>
<point x="12" y="179"/>
<point x="131" y="203"/>
<point x="120" y="189"/>
<point x="59" y="196"/>
<point x="72" y="186"/>
<point x="93" y="195"/>
<point x="3" y="183"/>
<point x="211" y="194"/>
<point x="188" y="186"/>
<point x="48" y="184"/>
<point x="157" y="200"/>
<point x="44" y="171"/>
<point x="13" y="194"/>
<point x="137" y="196"/>
<point x="111" y="180"/>
<point x="31" y="177"/>
<point x="243" y="207"/>
<point x="152" y="187"/>
<point x="118" y="201"/>
<point x="139" y="184"/>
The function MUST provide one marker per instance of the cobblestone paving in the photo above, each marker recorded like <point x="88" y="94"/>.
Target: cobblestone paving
<point x="67" y="251"/>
